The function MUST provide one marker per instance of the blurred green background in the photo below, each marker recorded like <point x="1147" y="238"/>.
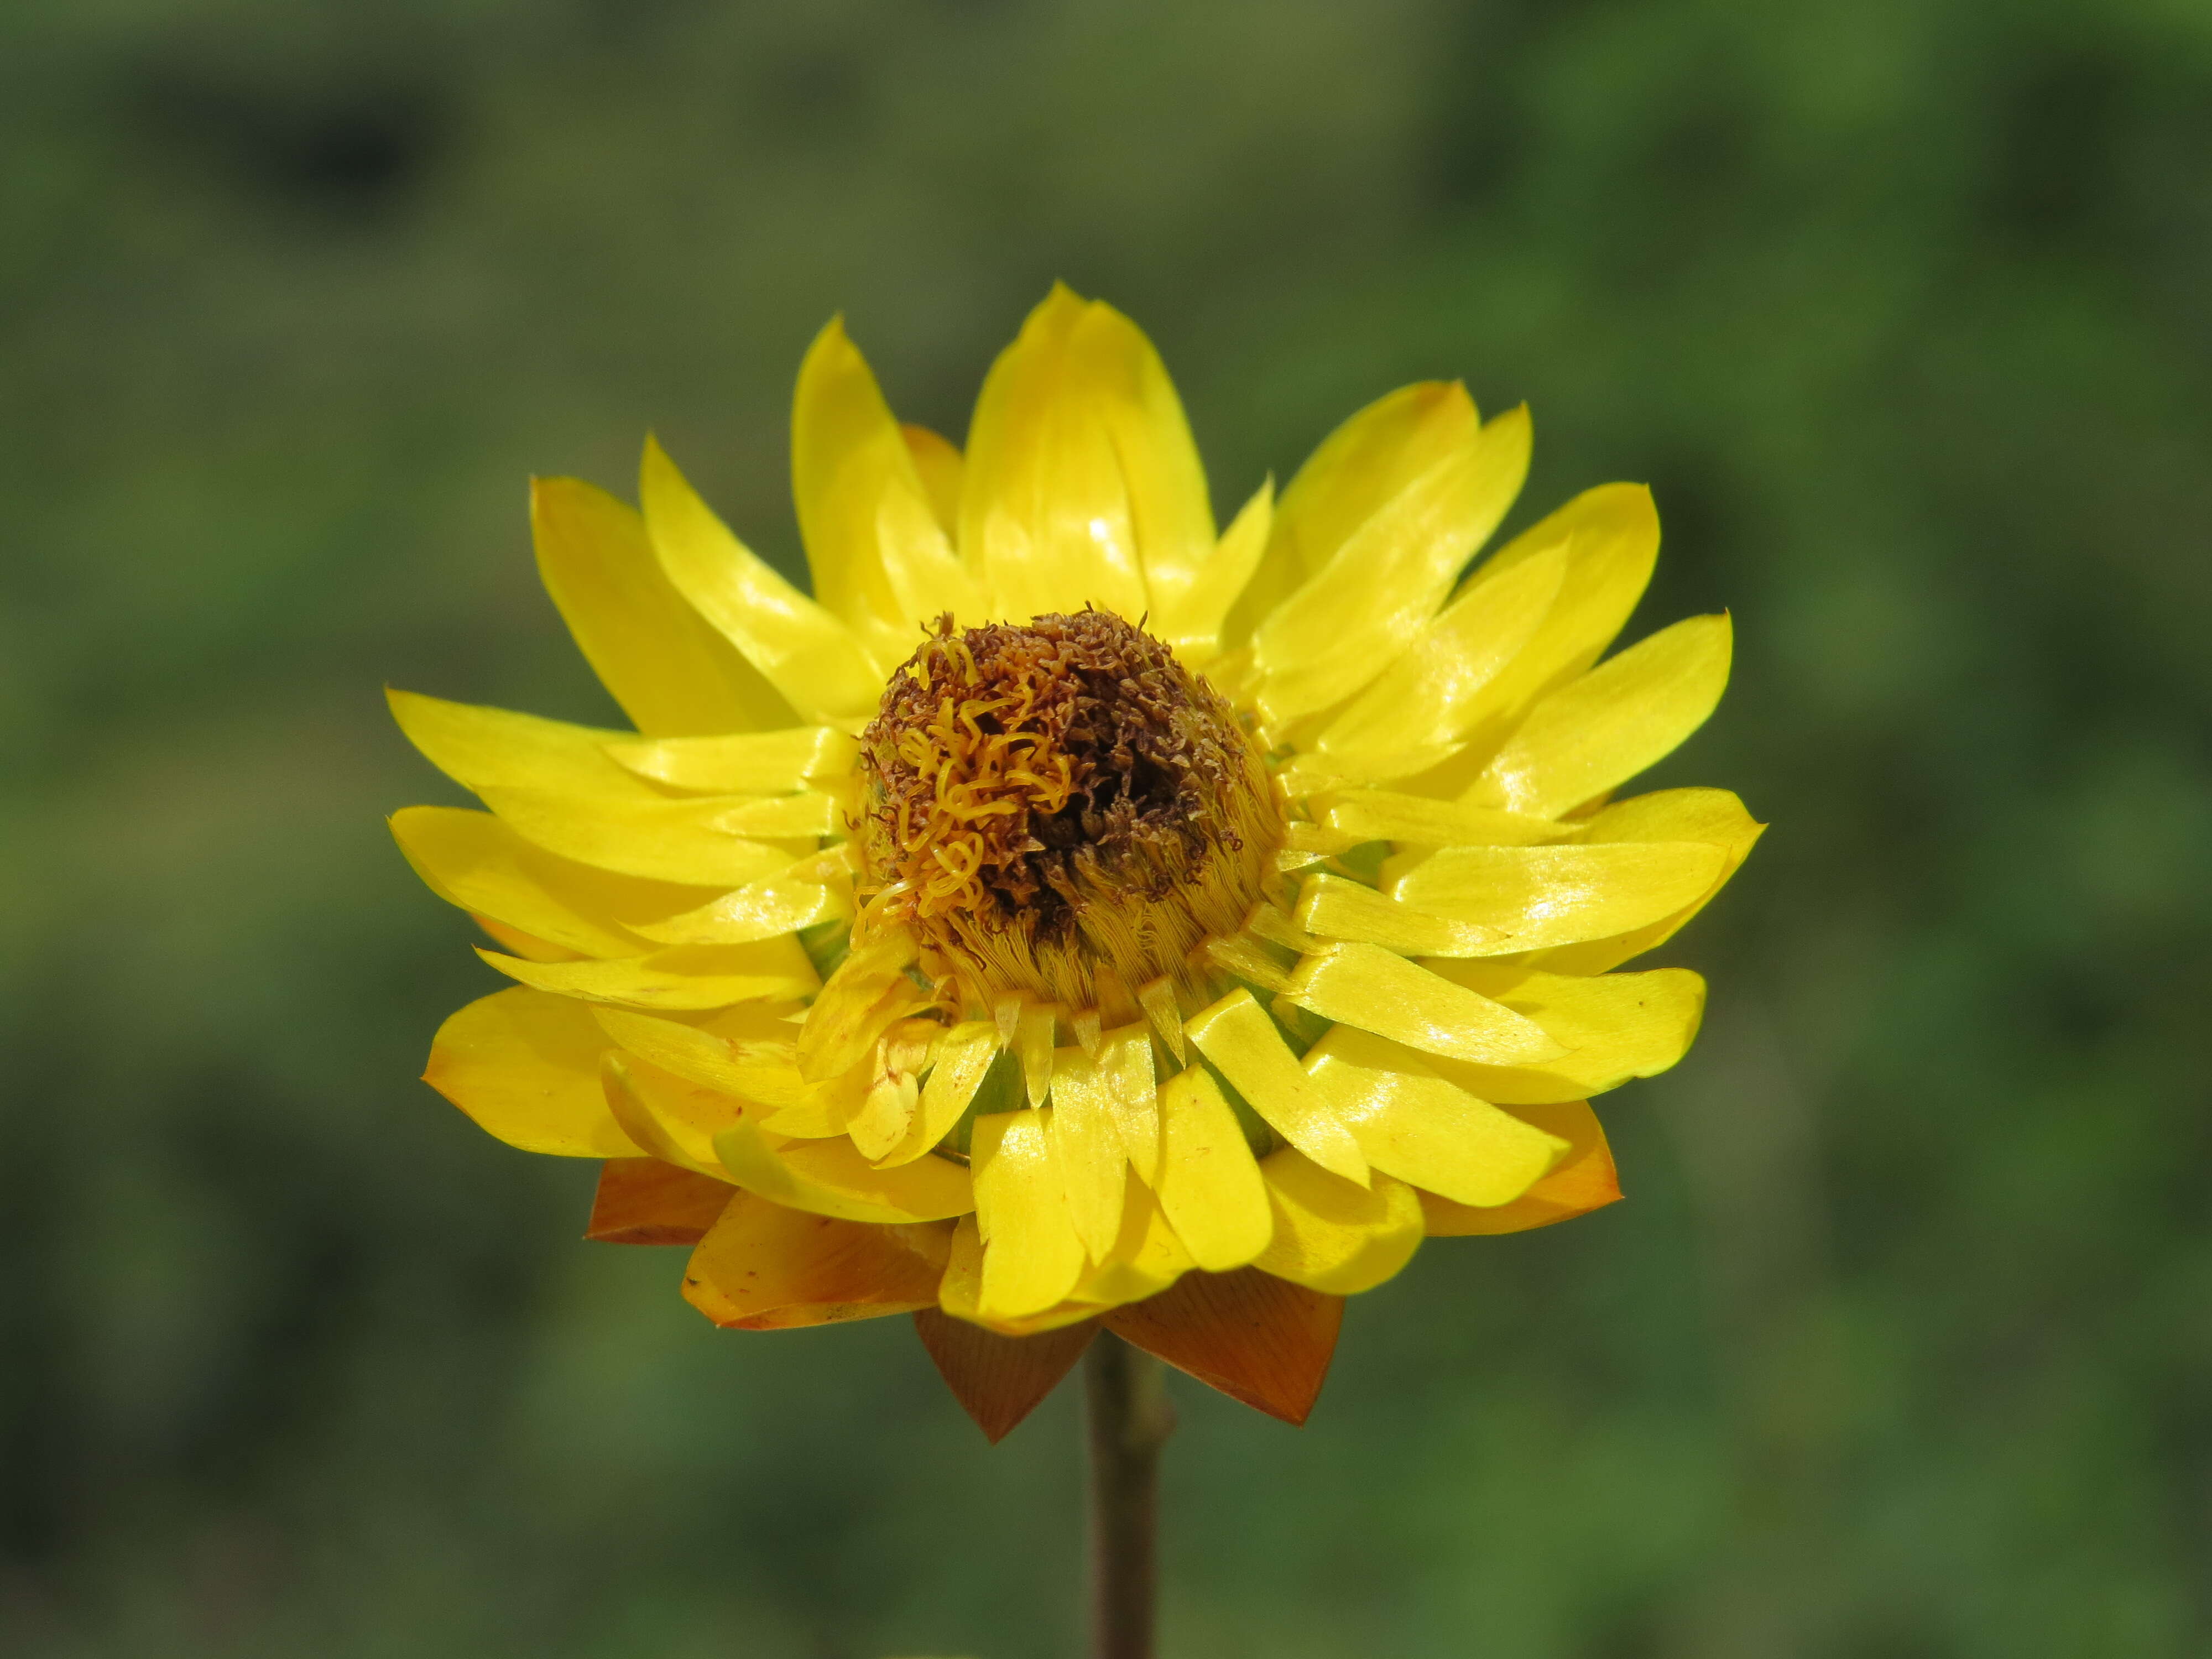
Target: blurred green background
<point x="1902" y="1344"/>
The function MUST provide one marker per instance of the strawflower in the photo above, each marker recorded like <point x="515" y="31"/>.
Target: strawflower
<point x="1071" y="916"/>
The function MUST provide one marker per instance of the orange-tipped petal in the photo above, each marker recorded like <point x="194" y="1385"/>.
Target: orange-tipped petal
<point x="1000" y="1380"/>
<point x="763" y="1268"/>
<point x="641" y="1201"/>
<point x="1582" y="1181"/>
<point x="1257" y="1338"/>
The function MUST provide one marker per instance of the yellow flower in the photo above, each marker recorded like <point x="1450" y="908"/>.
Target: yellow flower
<point x="1069" y="914"/>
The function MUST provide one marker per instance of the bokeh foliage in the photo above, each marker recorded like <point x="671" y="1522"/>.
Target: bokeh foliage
<point x="1901" y="1345"/>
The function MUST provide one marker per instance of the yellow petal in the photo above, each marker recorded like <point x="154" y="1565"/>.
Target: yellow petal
<point x="474" y="860"/>
<point x="863" y="506"/>
<point x="746" y="1051"/>
<point x="868" y="991"/>
<point x="526" y="945"/>
<point x="926" y="576"/>
<point x="1033" y="1031"/>
<point x="1192" y="622"/>
<point x="1582" y="1181"/>
<point x="480" y="748"/>
<point x="1348" y="621"/>
<point x="525" y="1067"/>
<point x="1537" y="896"/>
<point x="1715" y="817"/>
<point x="1601" y="730"/>
<point x="1330" y="1234"/>
<point x="960" y="1293"/>
<point x="887" y="1112"/>
<point x="1380" y="815"/>
<point x="1157" y="998"/>
<point x="830" y="1177"/>
<point x="1309" y="837"/>
<point x="820" y="1111"/>
<point x="1333" y="908"/>
<point x="1126" y="1071"/>
<point x="1236" y="1036"/>
<point x="659" y="839"/>
<point x="759" y="909"/>
<point x="937" y="461"/>
<point x="1093" y="1166"/>
<point x="962" y="1056"/>
<point x="809" y="656"/>
<point x="687" y="976"/>
<point x="674" y="1120"/>
<point x="1347" y="481"/>
<point x="1366" y="986"/>
<point x="1421" y="707"/>
<point x="806" y="816"/>
<point x="892" y="1092"/>
<point x="1118" y="380"/>
<point x="672" y="674"/>
<point x="1711" y="815"/>
<point x="846" y="453"/>
<point x="1046" y="516"/>
<point x="1146" y="1257"/>
<point x="1209" y="1182"/>
<point x="1247" y="959"/>
<point x="763" y="1268"/>
<point x="1611" y="534"/>
<point x="1032" y="1255"/>
<point x="741" y="764"/>
<point x="1614" y="1027"/>
<point x="1422" y="1128"/>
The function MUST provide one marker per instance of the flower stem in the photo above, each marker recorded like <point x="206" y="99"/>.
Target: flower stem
<point x="1128" y="1418"/>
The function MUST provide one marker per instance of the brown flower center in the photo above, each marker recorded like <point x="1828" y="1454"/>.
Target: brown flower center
<point x="1060" y="809"/>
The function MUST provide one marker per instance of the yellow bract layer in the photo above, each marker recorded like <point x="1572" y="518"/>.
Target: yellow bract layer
<point x="1398" y="1040"/>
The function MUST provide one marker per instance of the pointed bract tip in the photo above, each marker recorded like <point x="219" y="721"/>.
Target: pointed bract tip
<point x="1000" y="1380"/>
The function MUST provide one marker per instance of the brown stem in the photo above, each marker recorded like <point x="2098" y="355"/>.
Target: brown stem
<point x="1128" y="1418"/>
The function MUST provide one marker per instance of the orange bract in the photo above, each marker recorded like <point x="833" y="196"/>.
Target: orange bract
<point x="641" y="1201"/>
<point x="1257" y="1338"/>
<point x="1000" y="1380"/>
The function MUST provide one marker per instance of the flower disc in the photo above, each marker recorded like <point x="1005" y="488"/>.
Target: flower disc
<point x="1062" y="811"/>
